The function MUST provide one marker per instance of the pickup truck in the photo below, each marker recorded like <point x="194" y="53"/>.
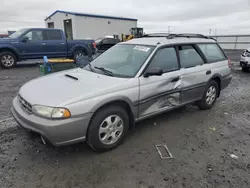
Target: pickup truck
<point x="34" y="43"/>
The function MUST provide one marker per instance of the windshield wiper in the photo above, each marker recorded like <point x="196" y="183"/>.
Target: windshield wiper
<point x="90" y="67"/>
<point x="110" y="73"/>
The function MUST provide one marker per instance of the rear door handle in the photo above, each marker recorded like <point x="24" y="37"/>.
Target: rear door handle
<point x="62" y="43"/>
<point x="43" y="43"/>
<point x="175" y="79"/>
<point x="208" y="72"/>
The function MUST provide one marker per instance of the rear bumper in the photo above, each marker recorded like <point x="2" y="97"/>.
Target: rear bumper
<point x="58" y="132"/>
<point x="225" y="81"/>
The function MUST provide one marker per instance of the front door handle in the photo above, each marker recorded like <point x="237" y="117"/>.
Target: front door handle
<point x="175" y="79"/>
<point x="43" y="43"/>
<point x="208" y="72"/>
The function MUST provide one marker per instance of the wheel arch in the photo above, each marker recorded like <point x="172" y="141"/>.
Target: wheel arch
<point x="217" y="78"/>
<point x="13" y="51"/>
<point x="81" y="47"/>
<point x="124" y="102"/>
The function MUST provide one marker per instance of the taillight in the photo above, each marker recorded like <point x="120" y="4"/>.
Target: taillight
<point x="94" y="44"/>
<point x="229" y="63"/>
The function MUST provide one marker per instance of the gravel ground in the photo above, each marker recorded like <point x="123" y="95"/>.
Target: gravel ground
<point x="201" y="143"/>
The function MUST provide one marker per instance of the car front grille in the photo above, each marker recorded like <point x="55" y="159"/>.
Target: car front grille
<point x="246" y="53"/>
<point x="24" y="104"/>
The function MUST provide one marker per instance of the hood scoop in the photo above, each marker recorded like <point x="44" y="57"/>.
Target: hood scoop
<point x="71" y="77"/>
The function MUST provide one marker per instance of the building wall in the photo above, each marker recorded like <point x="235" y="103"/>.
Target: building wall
<point x="58" y="19"/>
<point x="89" y="27"/>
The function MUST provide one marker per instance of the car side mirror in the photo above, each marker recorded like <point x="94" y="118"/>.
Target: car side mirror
<point x="25" y="39"/>
<point x="153" y="72"/>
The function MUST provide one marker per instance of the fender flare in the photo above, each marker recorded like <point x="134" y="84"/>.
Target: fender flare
<point x="11" y="49"/>
<point x="81" y="47"/>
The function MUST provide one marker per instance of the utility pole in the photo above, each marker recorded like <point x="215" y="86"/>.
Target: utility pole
<point x="170" y="30"/>
<point x="210" y="30"/>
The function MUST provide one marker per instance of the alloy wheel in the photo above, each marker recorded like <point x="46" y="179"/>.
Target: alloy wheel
<point x="211" y="95"/>
<point x="111" y="129"/>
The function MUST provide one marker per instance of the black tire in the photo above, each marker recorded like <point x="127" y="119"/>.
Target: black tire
<point x="203" y="104"/>
<point x="245" y="69"/>
<point x="12" y="60"/>
<point x="77" y="54"/>
<point x="93" y="138"/>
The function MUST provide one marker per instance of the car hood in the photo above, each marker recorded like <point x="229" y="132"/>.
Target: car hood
<point x="66" y="87"/>
<point x="7" y="40"/>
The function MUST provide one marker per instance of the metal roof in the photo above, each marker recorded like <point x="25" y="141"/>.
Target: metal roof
<point x="91" y="15"/>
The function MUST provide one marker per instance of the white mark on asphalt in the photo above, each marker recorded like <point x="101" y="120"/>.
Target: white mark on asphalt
<point x="167" y="155"/>
<point x="234" y="156"/>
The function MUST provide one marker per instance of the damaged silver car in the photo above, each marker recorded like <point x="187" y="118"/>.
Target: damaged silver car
<point x="131" y="81"/>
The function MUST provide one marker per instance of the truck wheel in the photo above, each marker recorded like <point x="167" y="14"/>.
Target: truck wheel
<point x="245" y="69"/>
<point x="209" y="97"/>
<point x="108" y="128"/>
<point x="7" y="60"/>
<point x="78" y="54"/>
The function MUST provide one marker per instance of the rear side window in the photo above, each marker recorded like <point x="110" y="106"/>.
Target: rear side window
<point x="189" y="57"/>
<point x="212" y="52"/>
<point x="165" y="59"/>
<point x="54" y="35"/>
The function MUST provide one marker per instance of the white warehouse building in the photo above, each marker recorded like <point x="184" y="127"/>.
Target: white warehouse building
<point x="82" y="26"/>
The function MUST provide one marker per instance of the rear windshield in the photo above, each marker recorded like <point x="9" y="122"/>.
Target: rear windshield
<point x="212" y="52"/>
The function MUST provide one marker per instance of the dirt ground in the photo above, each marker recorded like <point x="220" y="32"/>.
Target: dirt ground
<point x="201" y="143"/>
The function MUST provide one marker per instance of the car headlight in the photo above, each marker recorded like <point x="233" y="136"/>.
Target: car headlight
<point x="50" y="112"/>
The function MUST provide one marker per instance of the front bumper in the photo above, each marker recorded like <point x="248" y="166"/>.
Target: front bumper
<point x="245" y="61"/>
<point x="58" y="132"/>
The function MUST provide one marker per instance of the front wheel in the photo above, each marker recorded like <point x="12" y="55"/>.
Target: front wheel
<point x="7" y="60"/>
<point x="209" y="96"/>
<point x="108" y="128"/>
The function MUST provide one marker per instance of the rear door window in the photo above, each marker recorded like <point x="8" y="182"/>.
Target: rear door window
<point x="189" y="57"/>
<point x="54" y="35"/>
<point x="212" y="52"/>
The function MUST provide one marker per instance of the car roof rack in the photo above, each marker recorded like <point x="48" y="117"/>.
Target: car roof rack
<point x="156" y="35"/>
<point x="171" y="36"/>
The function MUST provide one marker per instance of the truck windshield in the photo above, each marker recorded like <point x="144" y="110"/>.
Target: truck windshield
<point x="123" y="60"/>
<point x="17" y="33"/>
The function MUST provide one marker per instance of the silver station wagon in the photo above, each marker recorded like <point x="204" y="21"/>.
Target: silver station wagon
<point x="131" y="81"/>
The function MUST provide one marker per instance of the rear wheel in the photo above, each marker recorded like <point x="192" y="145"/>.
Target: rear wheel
<point x="245" y="69"/>
<point x="79" y="54"/>
<point x="210" y="95"/>
<point x="7" y="60"/>
<point x="108" y="128"/>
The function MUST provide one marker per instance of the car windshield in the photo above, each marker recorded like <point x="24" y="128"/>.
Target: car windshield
<point x="123" y="60"/>
<point x="17" y="33"/>
<point x="98" y="40"/>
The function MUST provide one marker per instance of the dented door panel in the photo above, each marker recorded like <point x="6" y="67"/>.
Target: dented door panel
<point x="159" y="93"/>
